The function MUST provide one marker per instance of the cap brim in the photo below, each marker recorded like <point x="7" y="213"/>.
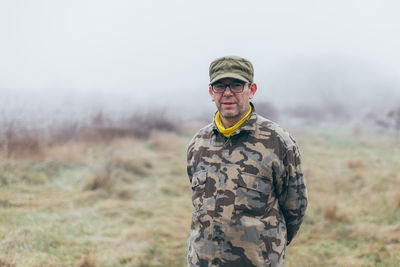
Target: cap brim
<point x="229" y="75"/>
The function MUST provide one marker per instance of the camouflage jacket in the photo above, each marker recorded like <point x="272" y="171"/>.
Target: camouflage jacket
<point x="248" y="193"/>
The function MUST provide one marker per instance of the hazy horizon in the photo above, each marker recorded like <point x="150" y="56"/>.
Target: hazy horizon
<point x="78" y="56"/>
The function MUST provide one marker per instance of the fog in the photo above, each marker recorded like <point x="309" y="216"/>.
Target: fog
<point x="69" y="58"/>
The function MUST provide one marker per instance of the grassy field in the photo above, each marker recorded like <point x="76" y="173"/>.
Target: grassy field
<point x="127" y="202"/>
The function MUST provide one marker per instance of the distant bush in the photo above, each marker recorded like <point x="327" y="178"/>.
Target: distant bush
<point x="390" y="121"/>
<point x="93" y="133"/>
<point x="394" y="117"/>
<point x="143" y="124"/>
<point x="63" y="132"/>
<point x="21" y="140"/>
<point x="323" y="112"/>
<point x="267" y="110"/>
<point x="18" y="141"/>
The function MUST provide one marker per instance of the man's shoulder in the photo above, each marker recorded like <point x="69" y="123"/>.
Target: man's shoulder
<point x="273" y="129"/>
<point x="206" y="129"/>
<point x="203" y="133"/>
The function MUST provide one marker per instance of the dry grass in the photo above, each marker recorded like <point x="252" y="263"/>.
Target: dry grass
<point x="163" y="141"/>
<point x="353" y="187"/>
<point x="19" y="140"/>
<point x="332" y="214"/>
<point x="355" y="164"/>
<point x="5" y="263"/>
<point x="127" y="202"/>
<point x="88" y="261"/>
<point x="397" y="200"/>
<point x="102" y="179"/>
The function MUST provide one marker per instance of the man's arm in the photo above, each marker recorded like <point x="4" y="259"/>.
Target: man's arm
<point x="293" y="192"/>
<point x="190" y="159"/>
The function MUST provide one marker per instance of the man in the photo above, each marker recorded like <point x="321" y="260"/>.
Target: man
<point x="248" y="190"/>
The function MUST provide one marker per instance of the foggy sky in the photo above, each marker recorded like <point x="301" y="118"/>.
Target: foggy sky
<point x="157" y="52"/>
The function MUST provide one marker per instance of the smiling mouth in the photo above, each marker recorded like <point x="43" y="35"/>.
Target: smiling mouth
<point x="228" y="105"/>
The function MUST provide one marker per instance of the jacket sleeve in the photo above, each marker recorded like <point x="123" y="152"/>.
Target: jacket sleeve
<point x="292" y="193"/>
<point x="190" y="159"/>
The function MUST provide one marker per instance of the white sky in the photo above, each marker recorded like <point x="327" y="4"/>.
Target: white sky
<point x="155" y="51"/>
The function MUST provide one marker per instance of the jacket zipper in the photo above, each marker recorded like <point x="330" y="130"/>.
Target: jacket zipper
<point x="227" y="141"/>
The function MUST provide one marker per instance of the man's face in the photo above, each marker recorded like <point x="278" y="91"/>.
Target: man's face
<point x="233" y="106"/>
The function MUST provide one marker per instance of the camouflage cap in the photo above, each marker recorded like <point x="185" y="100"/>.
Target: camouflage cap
<point x="231" y="67"/>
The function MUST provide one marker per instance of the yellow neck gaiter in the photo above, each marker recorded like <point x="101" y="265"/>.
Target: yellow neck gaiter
<point x="229" y="131"/>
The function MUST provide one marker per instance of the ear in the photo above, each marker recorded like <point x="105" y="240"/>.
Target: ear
<point x="253" y="90"/>
<point x="211" y="93"/>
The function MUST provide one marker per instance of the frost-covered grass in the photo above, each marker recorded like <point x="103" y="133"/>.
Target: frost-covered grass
<point x="128" y="203"/>
<point x="354" y="210"/>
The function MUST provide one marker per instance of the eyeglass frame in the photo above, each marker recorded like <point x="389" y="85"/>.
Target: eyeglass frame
<point x="229" y="86"/>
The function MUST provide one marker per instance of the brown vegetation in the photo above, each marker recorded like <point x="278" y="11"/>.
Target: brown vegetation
<point x="397" y="200"/>
<point x="102" y="179"/>
<point x="18" y="141"/>
<point x="88" y="260"/>
<point x="5" y="263"/>
<point x="355" y="164"/>
<point x="331" y="214"/>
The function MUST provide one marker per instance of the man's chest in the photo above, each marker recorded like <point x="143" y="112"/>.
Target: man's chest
<point x="233" y="176"/>
<point x="231" y="157"/>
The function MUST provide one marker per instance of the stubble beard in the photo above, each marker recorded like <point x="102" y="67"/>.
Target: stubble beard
<point x="229" y="114"/>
